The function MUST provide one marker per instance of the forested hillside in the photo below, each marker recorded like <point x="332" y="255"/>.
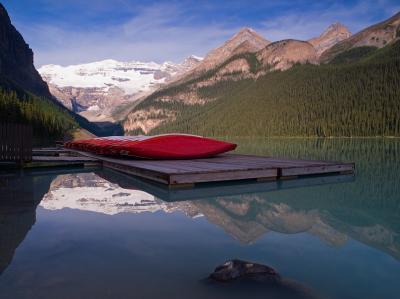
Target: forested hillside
<point x="48" y="120"/>
<point x="357" y="94"/>
<point x="24" y="96"/>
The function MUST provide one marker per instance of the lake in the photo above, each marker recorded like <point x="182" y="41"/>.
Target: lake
<point x="93" y="233"/>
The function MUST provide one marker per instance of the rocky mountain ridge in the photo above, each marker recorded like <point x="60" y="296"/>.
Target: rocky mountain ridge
<point x="246" y="54"/>
<point x="378" y="36"/>
<point x="246" y="40"/>
<point x="247" y="57"/>
<point x="283" y="54"/>
<point x="331" y="36"/>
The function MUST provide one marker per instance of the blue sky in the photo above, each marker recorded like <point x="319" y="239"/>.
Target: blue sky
<point x="77" y="31"/>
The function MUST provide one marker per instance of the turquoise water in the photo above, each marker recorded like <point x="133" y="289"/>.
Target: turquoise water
<point x="99" y="234"/>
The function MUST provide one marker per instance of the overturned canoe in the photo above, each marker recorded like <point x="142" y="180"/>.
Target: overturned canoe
<point x="169" y="146"/>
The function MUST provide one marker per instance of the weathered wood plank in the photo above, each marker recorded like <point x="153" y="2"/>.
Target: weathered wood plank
<point x="63" y="159"/>
<point x="49" y="152"/>
<point x="137" y="171"/>
<point x="283" y="159"/>
<point x="266" y="163"/>
<point x="179" y="166"/>
<point x="145" y="165"/>
<point x="43" y="164"/>
<point x="259" y="159"/>
<point x="158" y="167"/>
<point x="222" y="176"/>
<point x="197" y="165"/>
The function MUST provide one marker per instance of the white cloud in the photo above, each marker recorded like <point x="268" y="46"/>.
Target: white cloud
<point x="151" y="35"/>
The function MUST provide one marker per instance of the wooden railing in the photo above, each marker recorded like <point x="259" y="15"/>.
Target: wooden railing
<point x="15" y="143"/>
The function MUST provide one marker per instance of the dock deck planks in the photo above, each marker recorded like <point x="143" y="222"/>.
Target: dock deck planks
<point x="228" y="167"/>
<point x="52" y="161"/>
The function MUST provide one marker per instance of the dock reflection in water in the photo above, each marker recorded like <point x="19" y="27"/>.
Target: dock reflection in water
<point x="106" y="235"/>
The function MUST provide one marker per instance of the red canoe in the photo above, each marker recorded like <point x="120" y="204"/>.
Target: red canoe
<point x="169" y="146"/>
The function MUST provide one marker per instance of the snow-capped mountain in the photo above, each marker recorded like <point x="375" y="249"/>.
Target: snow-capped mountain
<point x="90" y="192"/>
<point x="246" y="217"/>
<point x="94" y="89"/>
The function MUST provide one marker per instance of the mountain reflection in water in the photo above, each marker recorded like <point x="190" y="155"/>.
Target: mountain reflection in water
<point x="356" y="219"/>
<point x="246" y="217"/>
<point x="20" y="196"/>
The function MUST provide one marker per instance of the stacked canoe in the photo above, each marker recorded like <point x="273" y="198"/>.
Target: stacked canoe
<point x="168" y="146"/>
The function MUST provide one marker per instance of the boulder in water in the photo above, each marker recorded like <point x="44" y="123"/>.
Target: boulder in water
<point x="238" y="269"/>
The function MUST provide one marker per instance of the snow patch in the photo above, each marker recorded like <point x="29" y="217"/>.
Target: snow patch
<point x="131" y="77"/>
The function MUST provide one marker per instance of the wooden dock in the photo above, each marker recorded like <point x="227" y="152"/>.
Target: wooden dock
<point x="187" y="173"/>
<point x="228" y="167"/>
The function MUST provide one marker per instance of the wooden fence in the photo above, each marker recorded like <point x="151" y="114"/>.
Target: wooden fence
<point x="15" y="143"/>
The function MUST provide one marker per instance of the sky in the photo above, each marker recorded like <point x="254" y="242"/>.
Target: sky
<point x="68" y="32"/>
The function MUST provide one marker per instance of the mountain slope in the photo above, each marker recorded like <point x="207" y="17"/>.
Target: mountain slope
<point x="282" y="55"/>
<point x="377" y="35"/>
<point x="24" y="96"/>
<point x="246" y="40"/>
<point x="331" y="36"/>
<point x="48" y="120"/>
<point x="245" y="55"/>
<point x="349" y="99"/>
<point x="241" y="76"/>
<point x="16" y="59"/>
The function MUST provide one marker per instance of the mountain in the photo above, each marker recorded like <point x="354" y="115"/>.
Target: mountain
<point x="360" y="98"/>
<point x="20" y="196"/>
<point x="331" y="36"/>
<point x="24" y="96"/>
<point x="16" y="59"/>
<point x="378" y="36"/>
<point x="281" y="90"/>
<point x="83" y="191"/>
<point x="246" y="40"/>
<point x="245" y="55"/>
<point x="246" y="217"/>
<point x="15" y="223"/>
<point x="282" y="55"/>
<point x="90" y="192"/>
<point x="94" y="89"/>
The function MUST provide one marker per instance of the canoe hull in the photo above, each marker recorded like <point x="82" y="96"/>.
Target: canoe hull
<point x="170" y="146"/>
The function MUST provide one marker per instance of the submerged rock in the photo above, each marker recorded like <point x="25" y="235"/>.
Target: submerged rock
<point x="243" y="279"/>
<point x="236" y="269"/>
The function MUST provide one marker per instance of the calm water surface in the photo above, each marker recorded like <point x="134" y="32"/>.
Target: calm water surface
<point x="98" y="234"/>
